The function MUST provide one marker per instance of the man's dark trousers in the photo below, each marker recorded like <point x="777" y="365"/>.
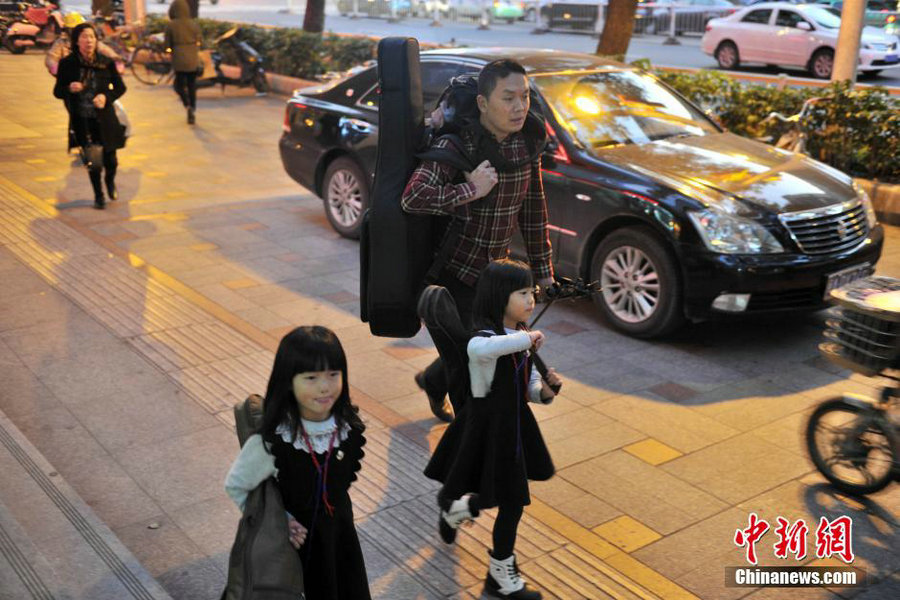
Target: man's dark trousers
<point x="437" y="379"/>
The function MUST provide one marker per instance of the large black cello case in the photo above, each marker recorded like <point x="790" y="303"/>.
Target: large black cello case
<point x="396" y="249"/>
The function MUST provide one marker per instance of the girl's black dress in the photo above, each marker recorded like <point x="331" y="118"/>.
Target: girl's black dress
<point x="332" y="558"/>
<point x="494" y="445"/>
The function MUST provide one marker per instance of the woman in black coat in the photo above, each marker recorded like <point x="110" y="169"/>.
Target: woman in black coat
<point x="88" y="83"/>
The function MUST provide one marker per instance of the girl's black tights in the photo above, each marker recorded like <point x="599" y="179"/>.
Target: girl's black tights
<point x="505" y="528"/>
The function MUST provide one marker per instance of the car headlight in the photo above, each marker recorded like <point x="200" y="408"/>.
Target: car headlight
<point x="867" y="205"/>
<point x="730" y="234"/>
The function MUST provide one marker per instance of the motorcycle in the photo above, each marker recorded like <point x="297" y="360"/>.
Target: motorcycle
<point x="249" y="71"/>
<point x="34" y="24"/>
<point x="854" y="440"/>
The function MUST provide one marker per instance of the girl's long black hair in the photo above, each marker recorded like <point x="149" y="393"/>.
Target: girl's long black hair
<point x="498" y="280"/>
<point x="308" y="348"/>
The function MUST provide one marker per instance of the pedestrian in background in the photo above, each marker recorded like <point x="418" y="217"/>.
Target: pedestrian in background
<point x="89" y="83"/>
<point x="104" y="8"/>
<point x="183" y="41"/>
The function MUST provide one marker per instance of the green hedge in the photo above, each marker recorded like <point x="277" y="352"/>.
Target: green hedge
<point x="856" y="130"/>
<point x="286" y="51"/>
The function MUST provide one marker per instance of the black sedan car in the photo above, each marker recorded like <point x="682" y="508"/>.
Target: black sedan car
<point x="675" y="217"/>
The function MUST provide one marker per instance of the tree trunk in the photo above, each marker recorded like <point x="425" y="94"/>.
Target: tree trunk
<point x="617" y="28"/>
<point x="314" y="20"/>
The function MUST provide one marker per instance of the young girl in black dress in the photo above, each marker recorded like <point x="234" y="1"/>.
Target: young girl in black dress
<point x="494" y="446"/>
<point x="311" y="441"/>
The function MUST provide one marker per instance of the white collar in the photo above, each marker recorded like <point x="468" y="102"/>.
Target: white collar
<point x="318" y="432"/>
<point x="319" y="427"/>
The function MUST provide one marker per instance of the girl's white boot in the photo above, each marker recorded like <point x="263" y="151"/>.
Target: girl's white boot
<point x="504" y="581"/>
<point x="454" y="514"/>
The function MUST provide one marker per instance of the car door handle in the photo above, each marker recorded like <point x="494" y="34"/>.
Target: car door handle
<point x="583" y="197"/>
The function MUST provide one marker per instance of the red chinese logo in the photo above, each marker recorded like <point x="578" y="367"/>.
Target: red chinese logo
<point x="791" y="539"/>
<point x="832" y="538"/>
<point x="748" y="537"/>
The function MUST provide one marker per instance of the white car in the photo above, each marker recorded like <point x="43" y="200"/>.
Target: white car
<point x="797" y="35"/>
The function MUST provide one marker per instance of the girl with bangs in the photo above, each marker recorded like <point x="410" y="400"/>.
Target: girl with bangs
<point x="494" y="447"/>
<point x="311" y="441"/>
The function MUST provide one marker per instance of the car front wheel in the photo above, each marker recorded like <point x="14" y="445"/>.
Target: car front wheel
<point x="346" y="196"/>
<point x="640" y="288"/>
<point x="727" y="56"/>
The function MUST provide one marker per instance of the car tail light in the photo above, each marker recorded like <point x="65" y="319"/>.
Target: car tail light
<point x="286" y="126"/>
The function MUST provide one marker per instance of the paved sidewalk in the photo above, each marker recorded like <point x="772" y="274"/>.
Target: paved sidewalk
<point x="52" y="545"/>
<point x="132" y="331"/>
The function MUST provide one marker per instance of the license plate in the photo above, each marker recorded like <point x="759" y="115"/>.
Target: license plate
<point x="845" y="276"/>
<point x="891" y="58"/>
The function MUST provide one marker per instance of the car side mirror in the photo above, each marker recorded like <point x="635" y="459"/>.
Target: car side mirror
<point x="552" y="146"/>
<point x="804" y="26"/>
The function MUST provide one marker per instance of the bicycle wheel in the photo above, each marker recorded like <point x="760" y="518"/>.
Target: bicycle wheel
<point x="150" y="64"/>
<point x="849" y="446"/>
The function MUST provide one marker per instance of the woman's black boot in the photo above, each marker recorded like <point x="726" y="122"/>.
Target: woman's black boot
<point x="111" y="186"/>
<point x="99" y="200"/>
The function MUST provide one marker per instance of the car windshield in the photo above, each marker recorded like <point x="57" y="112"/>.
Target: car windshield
<point x="823" y="17"/>
<point x="612" y="108"/>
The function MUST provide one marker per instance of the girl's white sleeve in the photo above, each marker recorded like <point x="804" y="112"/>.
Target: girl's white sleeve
<point x="251" y="467"/>
<point x="492" y="348"/>
<point x="535" y="386"/>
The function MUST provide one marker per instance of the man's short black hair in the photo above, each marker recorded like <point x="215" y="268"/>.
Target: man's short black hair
<point x="494" y="71"/>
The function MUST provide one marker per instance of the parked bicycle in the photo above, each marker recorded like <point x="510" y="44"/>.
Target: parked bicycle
<point x="144" y="54"/>
<point x="791" y="131"/>
<point x="854" y="440"/>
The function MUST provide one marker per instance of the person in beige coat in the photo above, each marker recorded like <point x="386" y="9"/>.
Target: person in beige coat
<point x="183" y="41"/>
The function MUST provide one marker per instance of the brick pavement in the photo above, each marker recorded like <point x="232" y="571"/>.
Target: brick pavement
<point x="212" y="253"/>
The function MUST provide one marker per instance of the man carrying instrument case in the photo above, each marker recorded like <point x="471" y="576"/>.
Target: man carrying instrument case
<point x="484" y="179"/>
